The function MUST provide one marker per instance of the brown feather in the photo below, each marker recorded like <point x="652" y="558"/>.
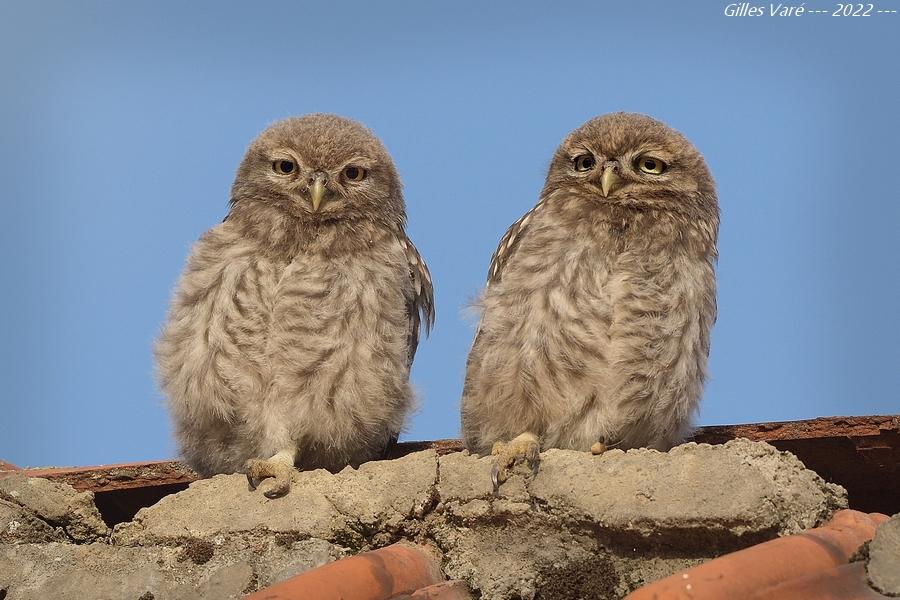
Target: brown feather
<point x="292" y="330"/>
<point x="597" y="309"/>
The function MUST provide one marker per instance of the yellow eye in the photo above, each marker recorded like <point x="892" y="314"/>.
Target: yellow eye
<point x="354" y="173"/>
<point x="285" y="167"/>
<point x="651" y="165"/>
<point x="585" y="162"/>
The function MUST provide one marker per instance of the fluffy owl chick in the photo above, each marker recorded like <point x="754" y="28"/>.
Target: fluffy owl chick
<point x="293" y="328"/>
<point x="595" y="320"/>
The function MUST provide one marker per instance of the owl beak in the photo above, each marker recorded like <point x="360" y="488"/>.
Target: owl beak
<point x="317" y="191"/>
<point x="609" y="181"/>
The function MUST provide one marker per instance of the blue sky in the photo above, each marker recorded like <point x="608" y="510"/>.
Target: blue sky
<point x="122" y="125"/>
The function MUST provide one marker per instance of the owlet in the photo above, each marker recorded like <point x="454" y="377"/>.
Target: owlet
<point x="293" y="328"/>
<point x="599" y="302"/>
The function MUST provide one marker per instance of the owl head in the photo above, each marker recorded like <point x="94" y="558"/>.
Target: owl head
<point x="318" y="169"/>
<point x="634" y="161"/>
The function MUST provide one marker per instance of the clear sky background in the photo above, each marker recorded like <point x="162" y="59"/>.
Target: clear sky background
<point x="122" y="123"/>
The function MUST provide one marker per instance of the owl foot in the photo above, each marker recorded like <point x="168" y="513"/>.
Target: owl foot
<point x="280" y="467"/>
<point x="598" y="448"/>
<point x="523" y="447"/>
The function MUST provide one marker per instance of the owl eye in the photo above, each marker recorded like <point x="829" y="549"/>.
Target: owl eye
<point x="285" y="167"/>
<point x="651" y="165"/>
<point x="585" y="162"/>
<point x="354" y="173"/>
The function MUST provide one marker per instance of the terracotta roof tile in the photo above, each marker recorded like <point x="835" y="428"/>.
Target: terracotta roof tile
<point x="395" y="570"/>
<point x="812" y="564"/>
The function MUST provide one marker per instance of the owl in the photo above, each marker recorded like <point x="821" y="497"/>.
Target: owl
<point x="596" y="316"/>
<point x="294" y="325"/>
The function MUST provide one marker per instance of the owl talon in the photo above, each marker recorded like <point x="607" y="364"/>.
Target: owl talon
<point x="495" y="477"/>
<point x="523" y="447"/>
<point x="279" y="490"/>
<point x="280" y="470"/>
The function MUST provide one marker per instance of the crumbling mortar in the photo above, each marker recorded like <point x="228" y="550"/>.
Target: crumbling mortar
<point x="648" y="538"/>
<point x="61" y="525"/>
<point x="873" y="587"/>
<point x="377" y="534"/>
<point x="355" y="536"/>
<point x="246" y="537"/>
<point x="412" y="526"/>
<point x="30" y="520"/>
<point x="197" y="551"/>
<point x="832" y="503"/>
<point x="445" y="562"/>
<point x="434" y="496"/>
<point x="861" y="554"/>
<point x="253" y="582"/>
<point x="56" y="526"/>
<point x="432" y="518"/>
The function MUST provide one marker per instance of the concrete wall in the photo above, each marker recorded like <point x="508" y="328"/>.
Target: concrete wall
<point x="584" y="526"/>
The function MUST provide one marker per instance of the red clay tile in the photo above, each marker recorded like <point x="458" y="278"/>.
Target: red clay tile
<point x="382" y="574"/>
<point x="121" y="476"/>
<point x="441" y="447"/>
<point x="797" y="566"/>
<point x="6" y="467"/>
<point x="862" y="426"/>
<point x="447" y="590"/>
<point x="847" y="582"/>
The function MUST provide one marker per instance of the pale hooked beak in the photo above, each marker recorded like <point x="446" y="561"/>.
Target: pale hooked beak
<point x="317" y="190"/>
<point x="609" y="180"/>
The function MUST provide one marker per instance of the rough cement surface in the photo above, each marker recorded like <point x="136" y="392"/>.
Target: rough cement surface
<point x="617" y="521"/>
<point x="18" y="524"/>
<point x="753" y="489"/>
<point x="584" y="526"/>
<point x="57" y="504"/>
<point x="883" y="568"/>
<point x="188" y="570"/>
<point x="347" y="507"/>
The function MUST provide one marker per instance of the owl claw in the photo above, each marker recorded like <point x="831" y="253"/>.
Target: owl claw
<point x="495" y="477"/>
<point x="523" y="447"/>
<point x="258" y="470"/>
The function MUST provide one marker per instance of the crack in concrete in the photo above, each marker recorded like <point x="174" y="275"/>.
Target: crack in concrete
<point x="544" y="522"/>
<point x="56" y="526"/>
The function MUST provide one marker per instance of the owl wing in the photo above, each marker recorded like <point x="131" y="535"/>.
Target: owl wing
<point x="505" y="250"/>
<point x="502" y="255"/>
<point x="420" y="305"/>
<point x="508" y="244"/>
